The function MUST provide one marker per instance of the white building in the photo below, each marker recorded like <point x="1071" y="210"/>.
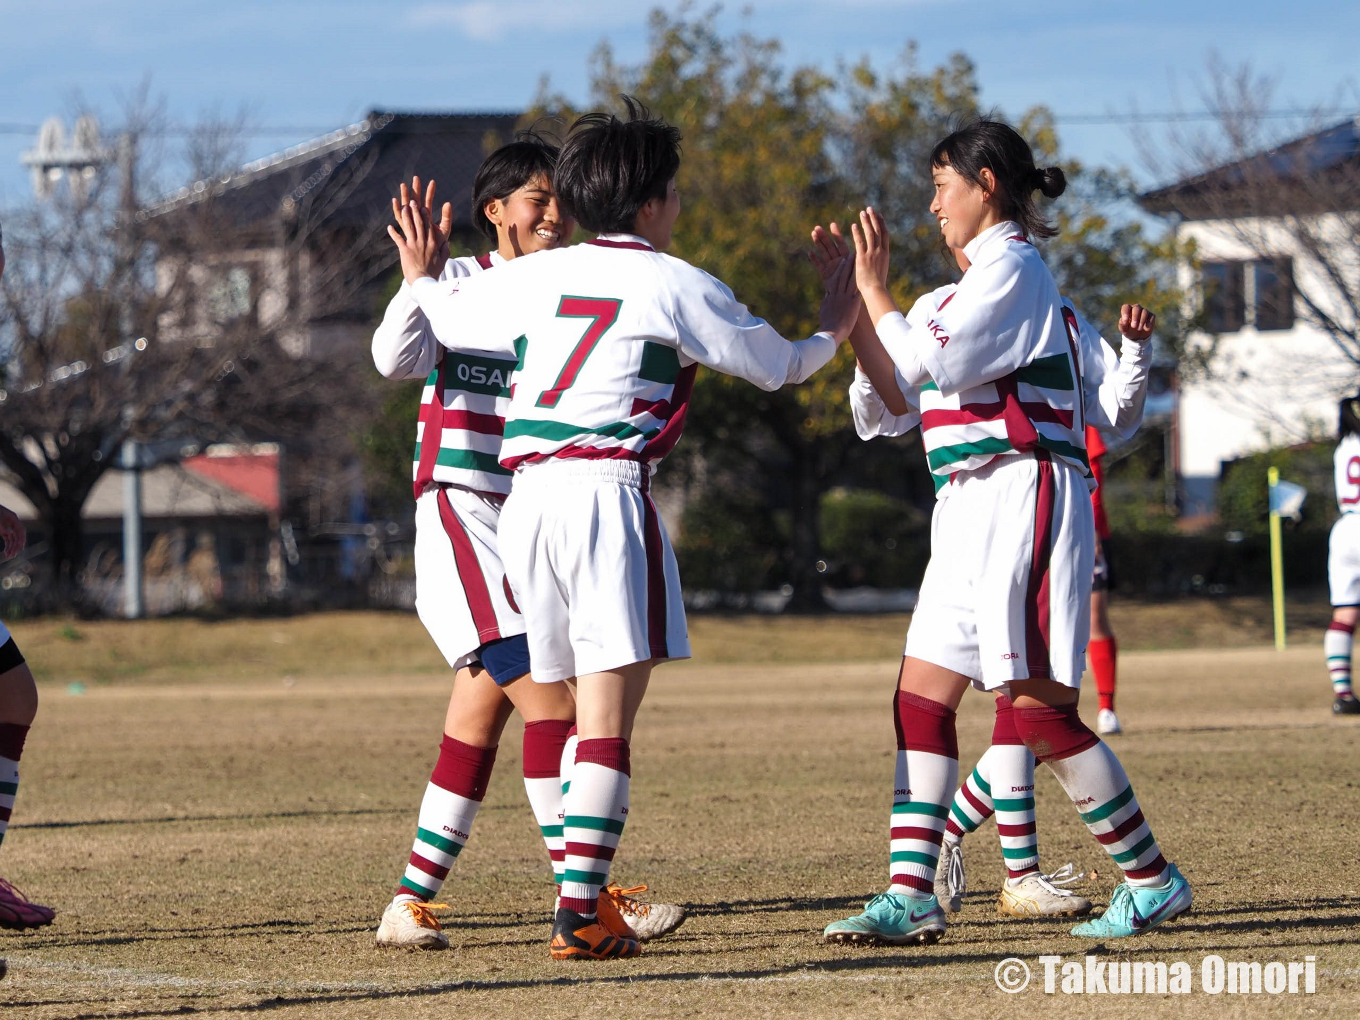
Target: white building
<point x="1269" y="232"/>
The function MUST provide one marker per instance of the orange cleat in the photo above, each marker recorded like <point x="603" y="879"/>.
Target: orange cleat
<point x="578" y="938"/>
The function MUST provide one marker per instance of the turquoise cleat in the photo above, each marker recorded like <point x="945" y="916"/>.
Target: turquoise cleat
<point x="1135" y="909"/>
<point x="891" y="919"/>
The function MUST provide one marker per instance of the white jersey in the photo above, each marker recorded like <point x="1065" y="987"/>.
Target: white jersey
<point x="1002" y="361"/>
<point x="1114" y="386"/>
<point x="607" y="336"/>
<point x="466" y="394"/>
<point x="1346" y="463"/>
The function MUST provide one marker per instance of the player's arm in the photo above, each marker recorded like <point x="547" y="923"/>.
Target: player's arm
<point x="715" y="329"/>
<point x="403" y="345"/>
<point x="1120" y="383"/>
<point x="874" y="416"/>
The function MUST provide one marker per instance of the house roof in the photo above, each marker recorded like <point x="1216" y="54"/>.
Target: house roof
<point x="1303" y="175"/>
<point x="348" y="177"/>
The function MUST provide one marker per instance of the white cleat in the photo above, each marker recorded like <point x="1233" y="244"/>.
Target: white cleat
<point x="1035" y="896"/>
<point x="1107" y="723"/>
<point x="648" y="920"/>
<point x="950" y="882"/>
<point x="411" y="924"/>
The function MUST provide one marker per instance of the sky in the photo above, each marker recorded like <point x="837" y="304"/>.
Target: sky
<point x="300" y="68"/>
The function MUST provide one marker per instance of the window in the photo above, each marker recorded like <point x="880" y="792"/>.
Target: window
<point x="229" y="296"/>
<point x="1273" y="286"/>
<point x="1224" y="296"/>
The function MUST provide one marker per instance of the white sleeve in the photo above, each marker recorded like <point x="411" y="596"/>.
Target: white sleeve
<point x="716" y="330"/>
<point x="871" y="414"/>
<point x="1114" y="388"/>
<point x="403" y="346"/>
<point x="469" y="312"/>
<point x="986" y="329"/>
<point x="903" y="344"/>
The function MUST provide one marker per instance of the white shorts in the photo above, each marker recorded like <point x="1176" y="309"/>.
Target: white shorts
<point x="462" y="595"/>
<point x="1343" y="561"/>
<point x="592" y="568"/>
<point x="1007" y="592"/>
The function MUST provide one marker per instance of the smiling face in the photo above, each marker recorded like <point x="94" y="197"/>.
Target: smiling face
<point x="529" y="219"/>
<point x="964" y="209"/>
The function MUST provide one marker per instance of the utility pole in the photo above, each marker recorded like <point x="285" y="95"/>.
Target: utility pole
<point x="133" y="606"/>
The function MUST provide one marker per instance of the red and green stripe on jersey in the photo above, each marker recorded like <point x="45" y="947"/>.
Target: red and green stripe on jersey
<point x="1037" y="407"/>
<point x="463" y="408"/>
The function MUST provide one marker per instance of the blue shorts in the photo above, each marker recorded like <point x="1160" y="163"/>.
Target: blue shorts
<point x="506" y="659"/>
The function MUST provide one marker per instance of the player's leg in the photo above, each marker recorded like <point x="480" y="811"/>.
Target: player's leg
<point x="1103" y="648"/>
<point x="18" y="709"/>
<point x="1343" y="576"/>
<point x="595" y="807"/>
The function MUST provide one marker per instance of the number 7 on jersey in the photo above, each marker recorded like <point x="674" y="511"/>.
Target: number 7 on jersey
<point x="603" y="312"/>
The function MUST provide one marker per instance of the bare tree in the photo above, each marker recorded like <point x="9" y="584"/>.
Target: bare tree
<point x="126" y="320"/>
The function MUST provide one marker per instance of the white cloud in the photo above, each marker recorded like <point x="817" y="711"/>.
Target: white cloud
<point x="487" y="21"/>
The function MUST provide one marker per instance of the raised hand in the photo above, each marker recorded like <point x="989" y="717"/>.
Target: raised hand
<point x="11" y="532"/>
<point x="871" y="251"/>
<point x="417" y="243"/>
<point x="1136" y="322"/>
<point x="441" y="230"/>
<point x="828" y="250"/>
<point x="840" y="306"/>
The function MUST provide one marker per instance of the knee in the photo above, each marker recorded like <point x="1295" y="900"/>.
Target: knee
<point x="1053" y="732"/>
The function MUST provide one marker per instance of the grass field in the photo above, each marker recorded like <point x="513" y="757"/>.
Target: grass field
<point x="222" y="810"/>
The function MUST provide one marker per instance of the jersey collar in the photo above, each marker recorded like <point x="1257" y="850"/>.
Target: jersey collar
<point x="622" y="241"/>
<point x="1000" y="232"/>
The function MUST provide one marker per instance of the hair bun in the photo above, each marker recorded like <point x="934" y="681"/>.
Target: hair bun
<point x="1049" y="180"/>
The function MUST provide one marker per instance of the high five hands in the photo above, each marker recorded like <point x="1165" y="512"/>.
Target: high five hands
<point x="869" y="259"/>
<point x="836" y="267"/>
<point x="422" y="244"/>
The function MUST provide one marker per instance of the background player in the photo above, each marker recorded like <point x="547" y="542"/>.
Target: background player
<point x="18" y="708"/>
<point x="1102" y="648"/>
<point x="608" y="335"/>
<point x="461" y="593"/>
<point x="1343" y="561"/>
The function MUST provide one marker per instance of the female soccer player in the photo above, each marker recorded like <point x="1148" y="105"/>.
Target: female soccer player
<point x="608" y="336"/>
<point x="462" y="596"/>
<point x="1343" y="561"/>
<point x="1005" y="600"/>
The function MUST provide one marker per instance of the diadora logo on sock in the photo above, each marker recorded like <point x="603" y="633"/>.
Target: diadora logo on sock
<point x="454" y="832"/>
<point x="901" y="793"/>
<point x="1021" y="789"/>
<point x="625" y="809"/>
<point x="1084" y="801"/>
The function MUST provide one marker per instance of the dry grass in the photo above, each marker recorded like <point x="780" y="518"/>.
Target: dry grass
<point x="220" y="839"/>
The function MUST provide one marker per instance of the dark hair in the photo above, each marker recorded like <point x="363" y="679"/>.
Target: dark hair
<point x="1350" y="416"/>
<point x="610" y="168"/>
<point x="999" y="147"/>
<point x="507" y="170"/>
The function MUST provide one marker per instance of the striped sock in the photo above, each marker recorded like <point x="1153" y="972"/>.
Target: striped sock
<point x="973" y="801"/>
<point x="595" y="808"/>
<point x="1095" y="781"/>
<point x="451" y="800"/>
<point x="1336" y="645"/>
<point x="543" y="744"/>
<point x="1012" y="772"/>
<point x="1103" y="652"/>
<point x="12" y="737"/>
<point x="927" y="770"/>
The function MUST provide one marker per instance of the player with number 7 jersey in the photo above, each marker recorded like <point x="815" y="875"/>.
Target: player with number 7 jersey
<point x="607" y="338"/>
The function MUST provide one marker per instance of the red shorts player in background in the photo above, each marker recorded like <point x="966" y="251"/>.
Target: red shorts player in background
<point x="1102" y="648"/>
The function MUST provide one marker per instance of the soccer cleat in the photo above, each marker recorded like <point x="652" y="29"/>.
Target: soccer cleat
<point x="18" y="913"/>
<point x="641" y="920"/>
<point x="1134" y="909"/>
<point x="411" y="924"/>
<point x="1346" y="704"/>
<point x="1035" y="896"/>
<point x="578" y="938"/>
<point x="950" y="883"/>
<point x="1107" y="723"/>
<point x="891" y="919"/>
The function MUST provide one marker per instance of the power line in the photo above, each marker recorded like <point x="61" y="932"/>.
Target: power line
<point x="1162" y="117"/>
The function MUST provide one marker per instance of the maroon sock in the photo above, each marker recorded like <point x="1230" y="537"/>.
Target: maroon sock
<point x="1053" y="733"/>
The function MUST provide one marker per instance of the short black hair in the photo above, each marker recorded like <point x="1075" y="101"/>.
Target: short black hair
<point x="997" y="146"/>
<point x="1350" y="416"/>
<point x="507" y="170"/>
<point x="610" y="168"/>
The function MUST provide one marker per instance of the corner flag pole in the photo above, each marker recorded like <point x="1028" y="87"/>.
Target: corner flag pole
<point x="1276" y="561"/>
